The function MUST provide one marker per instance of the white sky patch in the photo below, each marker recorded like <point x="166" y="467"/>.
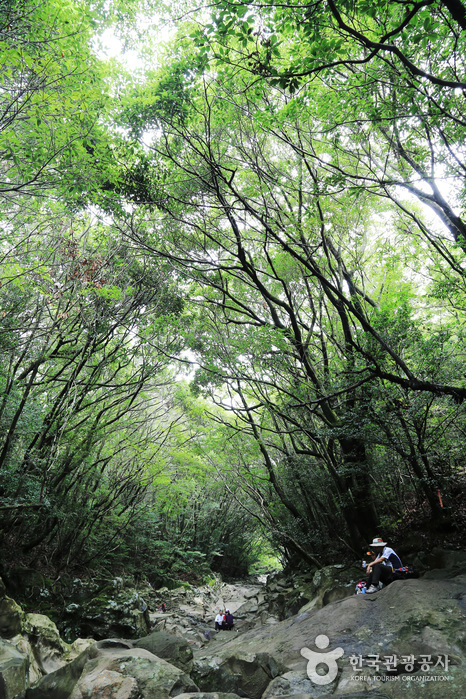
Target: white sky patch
<point x="140" y="52"/>
<point x="112" y="47"/>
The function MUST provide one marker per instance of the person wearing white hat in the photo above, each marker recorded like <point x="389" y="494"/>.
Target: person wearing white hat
<point x="382" y="567"/>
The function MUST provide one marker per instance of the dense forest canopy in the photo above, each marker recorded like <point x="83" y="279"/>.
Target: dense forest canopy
<point x="232" y="318"/>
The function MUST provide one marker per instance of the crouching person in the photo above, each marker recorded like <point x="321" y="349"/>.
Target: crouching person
<point x="380" y="569"/>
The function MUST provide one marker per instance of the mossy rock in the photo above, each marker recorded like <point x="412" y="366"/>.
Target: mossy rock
<point x="45" y="640"/>
<point x="14" y="670"/>
<point x="134" y="670"/>
<point x="313" y="590"/>
<point x="247" y="674"/>
<point x="109" y="614"/>
<point x="11" y="618"/>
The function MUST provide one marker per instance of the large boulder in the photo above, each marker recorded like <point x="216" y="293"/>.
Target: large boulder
<point x="14" y="670"/>
<point x="130" y="673"/>
<point x="105" y="609"/>
<point x="47" y="645"/>
<point x="24" y="647"/>
<point x="103" y="683"/>
<point x="291" y="684"/>
<point x="173" y="649"/>
<point x="237" y="672"/>
<point x="33" y="649"/>
<point x="11" y="618"/>
<point x="18" y="664"/>
<point x="61" y="683"/>
<point x="212" y="677"/>
<point x="113" y="669"/>
<point x="441" y="563"/>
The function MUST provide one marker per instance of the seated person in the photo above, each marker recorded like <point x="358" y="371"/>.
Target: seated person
<point x="219" y="620"/>
<point x="381" y="568"/>
<point x="228" y="620"/>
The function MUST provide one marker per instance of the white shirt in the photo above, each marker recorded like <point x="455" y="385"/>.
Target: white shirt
<point x="219" y="618"/>
<point x="393" y="561"/>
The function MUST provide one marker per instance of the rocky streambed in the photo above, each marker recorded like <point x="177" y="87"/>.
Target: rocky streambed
<point x="304" y="636"/>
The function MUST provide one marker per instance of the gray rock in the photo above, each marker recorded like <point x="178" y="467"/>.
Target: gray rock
<point x="286" y="597"/>
<point x="173" y="649"/>
<point x="212" y="678"/>
<point x="249" y="608"/>
<point x="113" y="670"/>
<point x="59" y="684"/>
<point x="107" y="609"/>
<point x="47" y="646"/>
<point x="14" y="667"/>
<point x="11" y="618"/>
<point x="441" y="563"/>
<point x="22" y="645"/>
<point x="291" y="684"/>
<point x="107" y="683"/>
<point x="128" y="674"/>
<point x="248" y="674"/>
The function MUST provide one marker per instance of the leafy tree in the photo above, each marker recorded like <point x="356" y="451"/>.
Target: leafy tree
<point x="79" y="395"/>
<point x="393" y="89"/>
<point x="278" y="249"/>
<point x="51" y="95"/>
